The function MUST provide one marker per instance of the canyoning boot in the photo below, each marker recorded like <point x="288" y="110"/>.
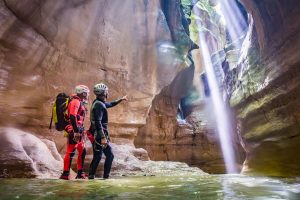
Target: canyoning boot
<point x="91" y="176"/>
<point x="65" y="175"/>
<point x="80" y="175"/>
<point x="105" y="176"/>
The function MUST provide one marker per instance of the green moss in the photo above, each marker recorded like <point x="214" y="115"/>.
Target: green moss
<point x="236" y="97"/>
<point x="187" y="7"/>
<point x="251" y="78"/>
<point x="265" y="129"/>
<point x="183" y="43"/>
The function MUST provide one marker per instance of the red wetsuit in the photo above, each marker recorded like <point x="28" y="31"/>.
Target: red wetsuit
<point x="76" y="115"/>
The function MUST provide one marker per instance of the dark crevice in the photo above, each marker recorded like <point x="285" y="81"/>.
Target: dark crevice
<point x="168" y="7"/>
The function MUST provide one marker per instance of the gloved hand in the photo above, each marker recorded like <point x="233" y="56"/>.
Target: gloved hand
<point x="104" y="143"/>
<point x="98" y="137"/>
<point x="76" y="137"/>
<point x="80" y="129"/>
<point x="107" y="137"/>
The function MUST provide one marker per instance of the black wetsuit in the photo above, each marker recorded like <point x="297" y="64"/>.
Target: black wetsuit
<point x="99" y="122"/>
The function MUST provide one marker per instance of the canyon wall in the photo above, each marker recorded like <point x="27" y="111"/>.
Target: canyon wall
<point x="48" y="47"/>
<point x="265" y="89"/>
<point x="181" y="124"/>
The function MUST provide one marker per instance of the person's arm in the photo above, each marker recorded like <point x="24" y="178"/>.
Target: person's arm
<point x="115" y="102"/>
<point x="98" y="114"/>
<point x="73" y="111"/>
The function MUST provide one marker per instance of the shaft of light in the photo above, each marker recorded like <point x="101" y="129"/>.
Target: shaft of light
<point x="222" y="120"/>
<point x="235" y="22"/>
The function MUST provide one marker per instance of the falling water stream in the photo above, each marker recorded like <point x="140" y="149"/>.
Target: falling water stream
<point x="223" y="124"/>
<point x="222" y="118"/>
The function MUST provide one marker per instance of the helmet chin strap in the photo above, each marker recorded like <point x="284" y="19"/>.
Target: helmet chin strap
<point x="102" y="96"/>
<point x="83" y="96"/>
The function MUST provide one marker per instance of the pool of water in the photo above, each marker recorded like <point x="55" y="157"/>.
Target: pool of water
<point x="169" y="187"/>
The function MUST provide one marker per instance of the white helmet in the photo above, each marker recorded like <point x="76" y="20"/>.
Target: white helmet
<point x="79" y="89"/>
<point x="100" y="88"/>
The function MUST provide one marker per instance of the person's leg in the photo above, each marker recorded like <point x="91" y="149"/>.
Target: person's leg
<point x="108" y="161"/>
<point x="97" y="154"/>
<point x="68" y="160"/>
<point x="80" y="161"/>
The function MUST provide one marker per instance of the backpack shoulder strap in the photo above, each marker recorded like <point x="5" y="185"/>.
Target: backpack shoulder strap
<point x="50" y="125"/>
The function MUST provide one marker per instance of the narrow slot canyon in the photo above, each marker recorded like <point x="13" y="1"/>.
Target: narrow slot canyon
<point x="207" y="96"/>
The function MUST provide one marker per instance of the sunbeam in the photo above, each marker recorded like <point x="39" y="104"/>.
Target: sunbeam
<point x="235" y="23"/>
<point x="234" y="20"/>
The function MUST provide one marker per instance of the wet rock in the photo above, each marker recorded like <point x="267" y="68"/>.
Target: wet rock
<point x="124" y="159"/>
<point x="23" y="155"/>
<point x="130" y="161"/>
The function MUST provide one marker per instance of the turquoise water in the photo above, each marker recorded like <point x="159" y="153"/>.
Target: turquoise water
<point x="191" y="187"/>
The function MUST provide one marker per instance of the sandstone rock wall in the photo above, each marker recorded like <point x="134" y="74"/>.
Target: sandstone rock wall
<point x="47" y="47"/>
<point x="194" y="139"/>
<point x="50" y="46"/>
<point x="266" y="89"/>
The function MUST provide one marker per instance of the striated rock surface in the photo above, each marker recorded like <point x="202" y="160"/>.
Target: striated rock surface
<point x="266" y="89"/>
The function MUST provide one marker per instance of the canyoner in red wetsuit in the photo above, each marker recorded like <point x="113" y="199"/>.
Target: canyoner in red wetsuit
<point x="75" y="132"/>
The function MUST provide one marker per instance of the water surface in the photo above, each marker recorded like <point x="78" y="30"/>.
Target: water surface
<point x="191" y="187"/>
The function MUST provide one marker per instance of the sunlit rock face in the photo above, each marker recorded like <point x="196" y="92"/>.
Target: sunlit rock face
<point x="266" y="89"/>
<point x="23" y="155"/>
<point x="47" y="47"/>
<point x="50" y="46"/>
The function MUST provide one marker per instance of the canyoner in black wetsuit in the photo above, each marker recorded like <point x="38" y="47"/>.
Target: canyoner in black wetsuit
<point x="98" y="128"/>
